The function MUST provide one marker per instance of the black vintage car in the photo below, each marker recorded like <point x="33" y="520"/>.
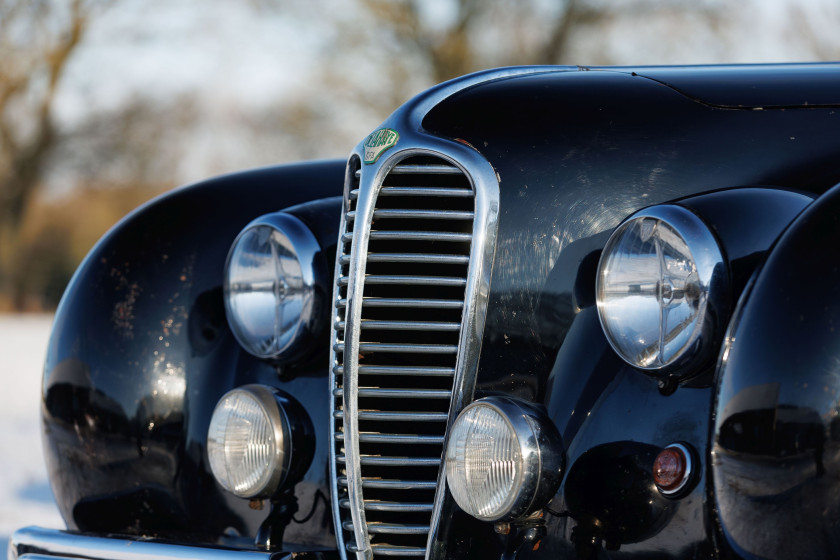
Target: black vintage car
<point x="557" y="312"/>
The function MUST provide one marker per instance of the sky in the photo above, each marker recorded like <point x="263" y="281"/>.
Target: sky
<point x="236" y="60"/>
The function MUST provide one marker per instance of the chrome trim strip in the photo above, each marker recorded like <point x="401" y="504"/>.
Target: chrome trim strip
<point x="413" y="258"/>
<point x="405" y="325"/>
<point x="400" y="370"/>
<point x="419" y="214"/>
<point x="399" y="393"/>
<point x="389" y="484"/>
<point x="407" y="302"/>
<point x="37" y="542"/>
<point x="398" y="506"/>
<point x="422" y="236"/>
<point x="396" y="438"/>
<point x="397" y="529"/>
<point x="334" y="478"/>
<point x="399" y="461"/>
<point x="413" y="280"/>
<point x="350" y="383"/>
<point x="426" y="169"/>
<point x="399" y="416"/>
<point x="425" y="191"/>
<point x="415" y="236"/>
<point x="382" y="550"/>
<point x="401" y="348"/>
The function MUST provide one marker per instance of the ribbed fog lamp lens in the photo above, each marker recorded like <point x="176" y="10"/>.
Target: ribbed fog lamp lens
<point x="270" y="285"/>
<point x="660" y="289"/>
<point x="503" y="460"/>
<point x="247" y="442"/>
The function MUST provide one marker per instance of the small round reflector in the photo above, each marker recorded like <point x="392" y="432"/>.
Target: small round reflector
<point x="672" y="469"/>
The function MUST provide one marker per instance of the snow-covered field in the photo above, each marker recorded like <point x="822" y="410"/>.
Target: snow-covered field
<point x="25" y="496"/>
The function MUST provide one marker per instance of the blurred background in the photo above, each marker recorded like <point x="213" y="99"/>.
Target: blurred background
<point x="107" y="103"/>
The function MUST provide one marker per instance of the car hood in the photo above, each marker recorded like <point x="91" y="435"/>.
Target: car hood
<point x="750" y="87"/>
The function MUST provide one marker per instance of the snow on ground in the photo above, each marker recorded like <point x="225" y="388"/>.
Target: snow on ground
<point x="25" y="495"/>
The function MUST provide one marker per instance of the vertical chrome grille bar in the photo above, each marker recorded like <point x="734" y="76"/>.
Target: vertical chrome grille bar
<point x="353" y="314"/>
<point x="346" y="485"/>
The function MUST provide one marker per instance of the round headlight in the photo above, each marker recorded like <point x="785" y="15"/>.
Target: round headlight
<point x="272" y="272"/>
<point x="504" y="459"/>
<point x="661" y="289"/>
<point x="258" y="439"/>
<point x="246" y="442"/>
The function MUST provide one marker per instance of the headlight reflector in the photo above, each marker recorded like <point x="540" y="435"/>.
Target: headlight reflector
<point x="660" y="288"/>
<point x="270" y="285"/>
<point x="247" y="442"/>
<point x="503" y="460"/>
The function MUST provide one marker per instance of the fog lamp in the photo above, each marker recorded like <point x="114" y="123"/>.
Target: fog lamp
<point x="661" y="290"/>
<point x="504" y="459"/>
<point x="249" y="442"/>
<point x="271" y="284"/>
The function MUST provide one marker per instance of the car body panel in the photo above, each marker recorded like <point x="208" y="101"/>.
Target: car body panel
<point x="141" y="350"/>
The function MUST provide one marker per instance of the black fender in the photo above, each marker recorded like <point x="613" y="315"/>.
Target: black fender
<point x="141" y="352"/>
<point x="775" y="443"/>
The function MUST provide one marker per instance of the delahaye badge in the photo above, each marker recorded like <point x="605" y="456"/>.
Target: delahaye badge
<point x="379" y="141"/>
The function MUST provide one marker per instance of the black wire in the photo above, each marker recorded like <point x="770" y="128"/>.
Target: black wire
<point x="318" y="494"/>
<point x="557" y="513"/>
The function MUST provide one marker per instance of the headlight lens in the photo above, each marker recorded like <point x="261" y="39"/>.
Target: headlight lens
<point x="503" y="459"/>
<point x="660" y="289"/>
<point x="270" y="285"/>
<point x="247" y="442"/>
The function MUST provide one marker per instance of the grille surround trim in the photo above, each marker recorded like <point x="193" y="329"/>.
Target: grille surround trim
<point x="485" y="187"/>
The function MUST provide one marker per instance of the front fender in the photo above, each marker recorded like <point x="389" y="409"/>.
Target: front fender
<point x="775" y="447"/>
<point x="141" y="352"/>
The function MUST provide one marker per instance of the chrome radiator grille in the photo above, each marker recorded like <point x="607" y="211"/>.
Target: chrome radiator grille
<point x="395" y="348"/>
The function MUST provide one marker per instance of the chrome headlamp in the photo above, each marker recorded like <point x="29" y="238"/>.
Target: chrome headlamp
<point x="272" y="276"/>
<point x="504" y="459"/>
<point x="258" y="439"/>
<point x="662" y="290"/>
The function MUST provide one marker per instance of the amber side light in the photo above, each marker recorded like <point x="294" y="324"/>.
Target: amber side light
<point x="672" y="469"/>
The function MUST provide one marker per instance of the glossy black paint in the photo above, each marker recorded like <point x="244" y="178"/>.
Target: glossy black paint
<point x="141" y="353"/>
<point x="577" y="152"/>
<point x="755" y="86"/>
<point x="614" y="419"/>
<point x="776" y="456"/>
<point x="745" y="222"/>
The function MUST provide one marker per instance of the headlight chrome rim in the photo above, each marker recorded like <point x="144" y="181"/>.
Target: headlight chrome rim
<point x="281" y="458"/>
<point x="712" y="279"/>
<point x="541" y="455"/>
<point x="307" y="252"/>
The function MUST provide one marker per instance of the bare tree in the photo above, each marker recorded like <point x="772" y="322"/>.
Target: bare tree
<point x="37" y="40"/>
<point x="404" y="46"/>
